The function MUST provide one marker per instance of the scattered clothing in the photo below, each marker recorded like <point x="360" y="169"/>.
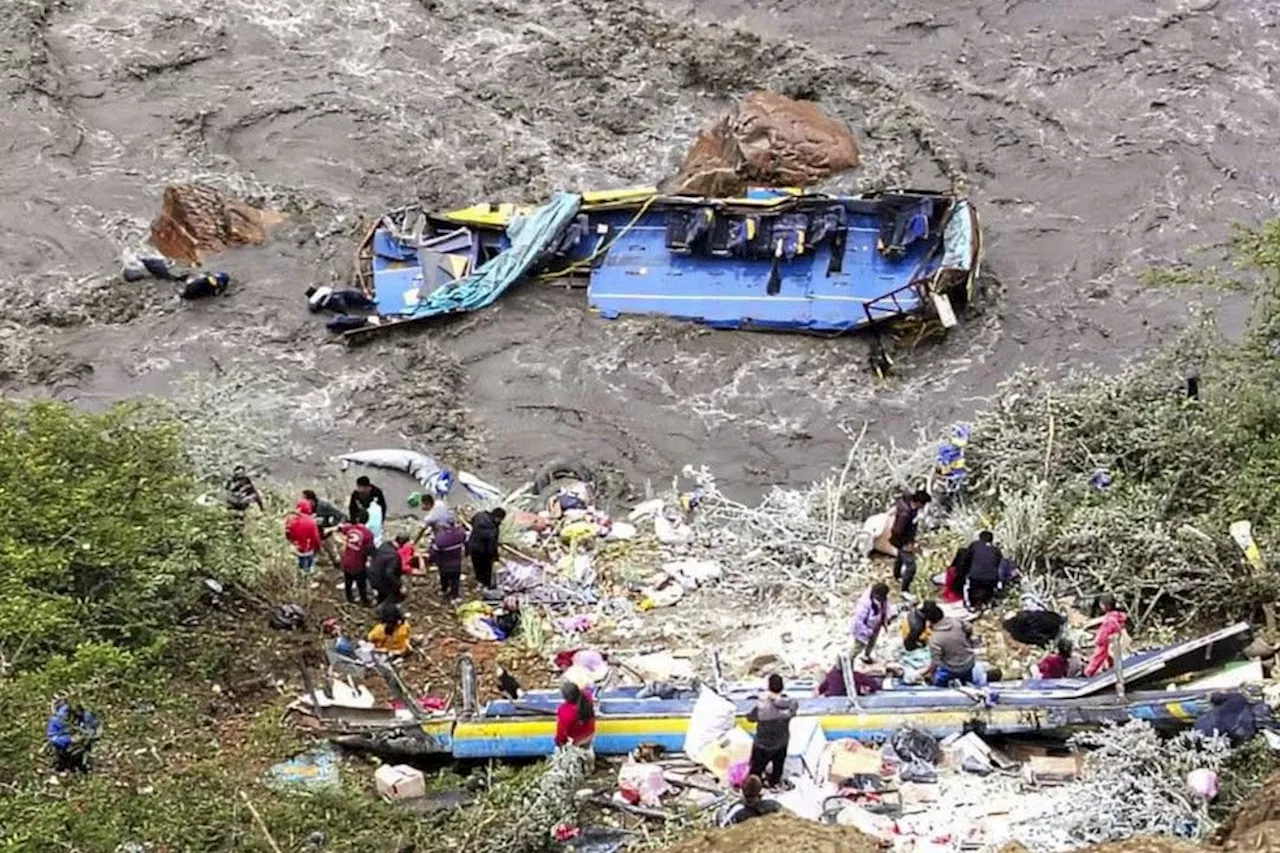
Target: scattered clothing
<point x="1233" y="716"/>
<point x="343" y="301"/>
<point x="1113" y="625"/>
<point x="772" y="715"/>
<point x="1035" y="627"/>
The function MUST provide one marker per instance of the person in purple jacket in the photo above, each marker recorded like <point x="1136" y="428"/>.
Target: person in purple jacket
<point x="869" y="618"/>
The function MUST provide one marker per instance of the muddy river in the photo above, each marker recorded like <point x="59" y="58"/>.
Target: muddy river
<point x="1098" y="139"/>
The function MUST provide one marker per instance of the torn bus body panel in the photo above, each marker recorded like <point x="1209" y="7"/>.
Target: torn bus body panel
<point x="627" y="717"/>
<point x="773" y="259"/>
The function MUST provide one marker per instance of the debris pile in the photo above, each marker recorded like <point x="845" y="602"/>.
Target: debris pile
<point x="523" y="818"/>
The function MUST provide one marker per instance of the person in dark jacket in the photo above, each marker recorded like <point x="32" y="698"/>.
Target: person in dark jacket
<point x="72" y="732"/>
<point x="772" y="715"/>
<point x="366" y="493"/>
<point x="485" y="527"/>
<point x="902" y="536"/>
<point x="202" y="285"/>
<point x="980" y="564"/>
<point x="328" y="519"/>
<point x="448" y="547"/>
<point x="341" y="301"/>
<point x="241" y="493"/>
<point x="384" y="572"/>
<point x="915" y="627"/>
<point x="753" y="803"/>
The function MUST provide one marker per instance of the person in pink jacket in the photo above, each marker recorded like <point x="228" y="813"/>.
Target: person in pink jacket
<point x="1114" y="621"/>
<point x="869" y="618"/>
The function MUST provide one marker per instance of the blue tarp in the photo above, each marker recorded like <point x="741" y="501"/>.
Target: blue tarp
<point x="530" y="237"/>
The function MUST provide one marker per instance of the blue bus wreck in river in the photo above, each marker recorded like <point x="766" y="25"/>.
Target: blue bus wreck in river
<point x="777" y="259"/>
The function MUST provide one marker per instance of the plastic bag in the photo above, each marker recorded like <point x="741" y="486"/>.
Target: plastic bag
<point x="712" y="716"/>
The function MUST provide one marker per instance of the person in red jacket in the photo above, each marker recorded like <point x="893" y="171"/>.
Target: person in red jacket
<point x="576" y="717"/>
<point x="357" y="548"/>
<point x="303" y="533"/>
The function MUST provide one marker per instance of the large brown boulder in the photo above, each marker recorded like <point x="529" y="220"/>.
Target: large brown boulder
<point x="196" y="221"/>
<point x="768" y="140"/>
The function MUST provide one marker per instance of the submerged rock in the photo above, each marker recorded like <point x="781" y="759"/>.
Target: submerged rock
<point x="196" y="221"/>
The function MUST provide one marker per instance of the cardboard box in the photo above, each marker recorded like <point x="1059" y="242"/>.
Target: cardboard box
<point x="1052" y="770"/>
<point x="850" y="758"/>
<point x="804" y="750"/>
<point x="969" y="747"/>
<point x="732" y="747"/>
<point x="400" y="782"/>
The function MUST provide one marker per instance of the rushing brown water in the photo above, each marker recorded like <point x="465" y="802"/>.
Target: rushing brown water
<point x="1097" y="139"/>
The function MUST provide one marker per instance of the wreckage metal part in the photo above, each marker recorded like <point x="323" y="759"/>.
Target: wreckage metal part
<point x="526" y="728"/>
<point x="619" y="735"/>
<point x="620" y="240"/>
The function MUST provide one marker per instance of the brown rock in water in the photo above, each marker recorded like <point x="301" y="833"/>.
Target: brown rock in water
<point x="768" y="140"/>
<point x="196" y="221"/>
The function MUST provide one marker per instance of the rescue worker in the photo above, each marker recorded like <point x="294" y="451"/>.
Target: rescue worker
<point x="448" y="547"/>
<point x="950" y="649"/>
<point x="753" y="803"/>
<point x="1114" y="622"/>
<point x="302" y="532"/>
<point x="71" y="732"/>
<point x="869" y="618"/>
<point x="576" y="717"/>
<point x="772" y="715"/>
<point x="902" y="536"/>
<point x="385" y="572"/>
<point x="391" y="635"/>
<point x="915" y="628"/>
<point x="357" y="549"/>
<point x="485" y="527"/>
<point x="365" y="494"/>
<point x="241" y="493"/>
<point x="980" y="565"/>
<point x="328" y="518"/>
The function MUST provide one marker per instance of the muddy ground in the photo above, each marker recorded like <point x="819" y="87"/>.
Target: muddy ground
<point x="1096" y="138"/>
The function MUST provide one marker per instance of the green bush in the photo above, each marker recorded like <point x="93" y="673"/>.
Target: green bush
<point x="103" y="540"/>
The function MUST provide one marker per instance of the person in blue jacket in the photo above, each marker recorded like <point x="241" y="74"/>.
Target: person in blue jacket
<point x="72" y="732"/>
